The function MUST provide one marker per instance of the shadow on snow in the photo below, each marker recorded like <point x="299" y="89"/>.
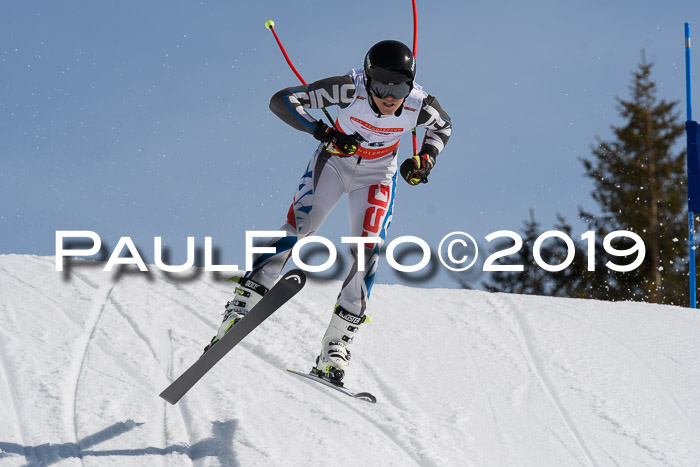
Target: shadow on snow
<point x="219" y="444"/>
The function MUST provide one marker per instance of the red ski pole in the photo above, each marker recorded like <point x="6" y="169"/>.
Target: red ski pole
<point x="415" y="43"/>
<point x="269" y="24"/>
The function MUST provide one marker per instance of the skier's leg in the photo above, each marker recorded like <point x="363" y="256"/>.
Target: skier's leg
<point x="371" y="208"/>
<point x="319" y="190"/>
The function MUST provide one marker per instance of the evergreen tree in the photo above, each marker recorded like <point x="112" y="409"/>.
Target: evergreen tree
<point x="640" y="187"/>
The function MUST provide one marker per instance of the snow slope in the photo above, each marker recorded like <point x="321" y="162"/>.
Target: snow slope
<point x="462" y="377"/>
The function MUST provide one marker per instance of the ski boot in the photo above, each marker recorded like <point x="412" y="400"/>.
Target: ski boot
<point x="246" y="295"/>
<point x="335" y="351"/>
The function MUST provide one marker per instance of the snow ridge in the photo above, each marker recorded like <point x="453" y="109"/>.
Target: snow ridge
<point x="462" y="377"/>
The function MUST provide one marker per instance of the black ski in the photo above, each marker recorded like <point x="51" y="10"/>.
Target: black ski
<point x="365" y="396"/>
<point x="283" y="290"/>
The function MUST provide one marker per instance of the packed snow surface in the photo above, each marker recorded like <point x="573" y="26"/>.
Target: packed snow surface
<point x="462" y="377"/>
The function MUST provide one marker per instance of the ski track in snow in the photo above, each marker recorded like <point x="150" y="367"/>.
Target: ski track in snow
<point x="104" y="300"/>
<point x="637" y="437"/>
<point x="134" y="326"/>
<point x="388" y="432"/>
<point x="169" y="375"/>
<point x="167" y="437"/>
<point x="674" y="401"/>
<point x="392" y="396"/>
<point x="49" y="299"/>
<point x="9" y="376"/>
<point x="527" y="344"/>
<point x="80" y="352"/>
<point x="153" y="353"/>
<point x="186" y="414"/>
<point x="183" y="410"/>
<point x="486" y="393"/>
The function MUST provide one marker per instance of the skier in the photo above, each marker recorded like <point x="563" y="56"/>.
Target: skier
<point x="358" y="156"/>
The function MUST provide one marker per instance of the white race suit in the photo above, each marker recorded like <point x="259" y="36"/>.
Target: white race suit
<point x="368" y="177"/>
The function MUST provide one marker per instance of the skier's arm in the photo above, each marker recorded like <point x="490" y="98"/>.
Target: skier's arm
<point x="438" y="127"/>
<point x="415" y="170"/>
<point x="290" y="104"/>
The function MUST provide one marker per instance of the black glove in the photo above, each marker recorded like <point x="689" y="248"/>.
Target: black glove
<point x="416" y="169"/>
<point x="347" y="144"/>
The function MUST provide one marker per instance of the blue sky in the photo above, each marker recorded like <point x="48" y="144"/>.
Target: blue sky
<point x="148" y="119"/>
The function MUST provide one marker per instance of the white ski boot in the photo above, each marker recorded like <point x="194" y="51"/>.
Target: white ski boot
<point x="246" y="295"/>
<point x="335" y="351"/>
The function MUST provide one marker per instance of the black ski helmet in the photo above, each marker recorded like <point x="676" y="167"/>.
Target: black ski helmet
<point x="390" y="62"/>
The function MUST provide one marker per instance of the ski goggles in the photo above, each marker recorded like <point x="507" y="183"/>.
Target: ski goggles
<point x="382" y="90"/>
